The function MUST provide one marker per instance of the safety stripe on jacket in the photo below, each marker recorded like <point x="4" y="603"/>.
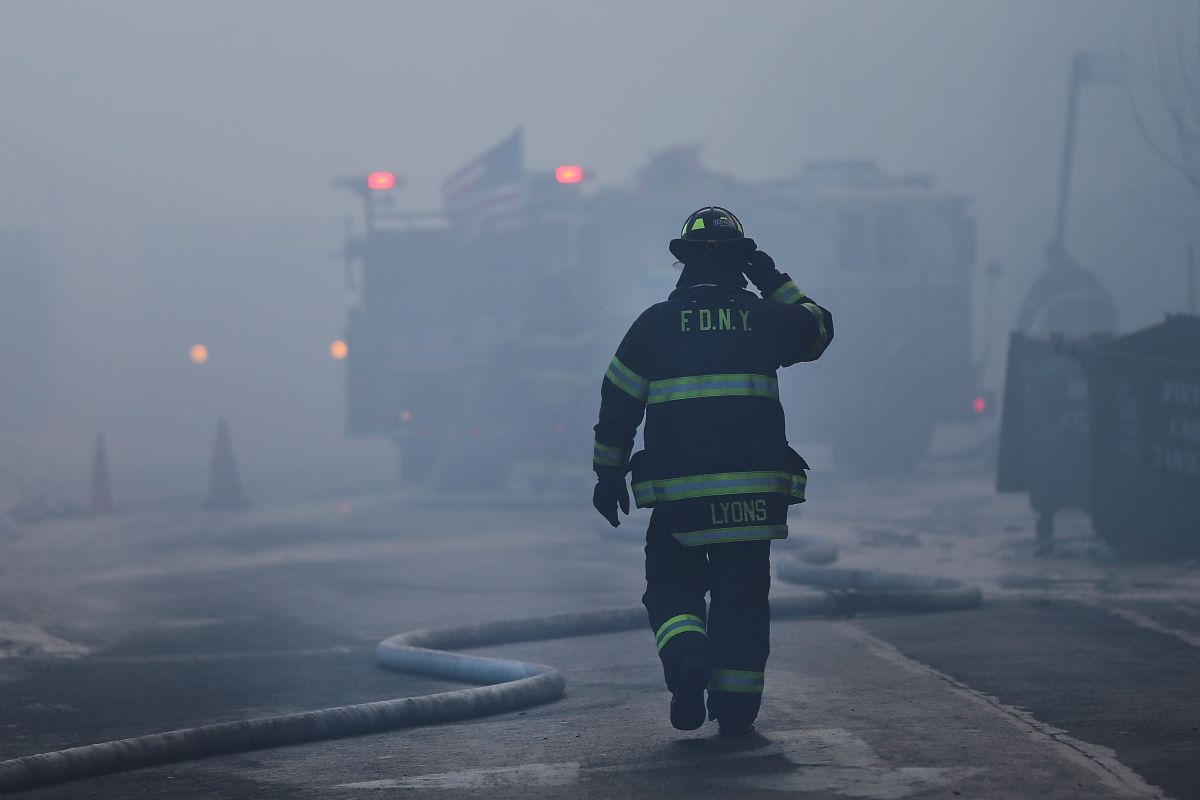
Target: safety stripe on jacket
<point x="667" y="490"/>
<point x="788" y="293"/>
<point x="822" y="324"/>
<point x="719" y="385"/>
<point x="736" y="680"/>
<point x="627" y="380"/>
<point x="684" y="623"/>
<point x="604" y="455"/>
<point x="751" y="533"/>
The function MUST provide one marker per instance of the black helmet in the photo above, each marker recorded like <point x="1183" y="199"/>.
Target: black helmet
<point x="714" y="231"/>
<point x="712" y="222"/>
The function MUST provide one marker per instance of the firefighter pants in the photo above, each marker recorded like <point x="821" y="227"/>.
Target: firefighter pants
<point x="735" y="632"/>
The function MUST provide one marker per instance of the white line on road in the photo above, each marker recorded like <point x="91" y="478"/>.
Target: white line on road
<point x="1096" y="759"/>
<point x="824" y="760"/>
<point x="528" y="775"/>
<point x="187" y="658"/>
<point x="18" y="639"/>
<point x="834" y="760"/>
<point x="1142" y="621"/>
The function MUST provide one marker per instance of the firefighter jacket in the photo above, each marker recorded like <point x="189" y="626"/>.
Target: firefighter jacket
<point x="701" y="366"/>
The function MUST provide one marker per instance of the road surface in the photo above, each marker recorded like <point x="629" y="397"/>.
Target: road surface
<point x="1079" y="678"/>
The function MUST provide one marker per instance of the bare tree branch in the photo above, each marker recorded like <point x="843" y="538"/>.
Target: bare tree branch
<point x="1175" y="77"/>
<point x="1156" y="147"/>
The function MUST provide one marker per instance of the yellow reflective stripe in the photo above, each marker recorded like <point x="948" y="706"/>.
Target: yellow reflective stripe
<point x="606" y="456"/>
<point x="788" y="293"/>
<point x="736" y="680"/>
<point x="627" y="380"/>
<point x="712" y="485"/>
<point x="819" y="315"/>
<point x="651" y="492"/>
<point x="799" y="483"/>
<point x="698" y="225"/>
<point x="719" y="385"/>
<point x="683" y="623"/>
<point x="674" y="621"/>
<point x="751" y="533"/>
<point x="678" y="630"/>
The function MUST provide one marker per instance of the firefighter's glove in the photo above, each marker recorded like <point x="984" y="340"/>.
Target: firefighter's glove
<point x="611" y="492"/>
<point x="760" y="269"/>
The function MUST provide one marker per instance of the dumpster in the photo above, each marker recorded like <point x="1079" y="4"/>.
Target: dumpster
<point x="1044" y="430"/>
<point x="1144" y="393"/>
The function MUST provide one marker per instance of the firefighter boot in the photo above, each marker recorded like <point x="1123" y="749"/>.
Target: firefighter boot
<point x="734" y="712"/>
<point x="687" y="691"/>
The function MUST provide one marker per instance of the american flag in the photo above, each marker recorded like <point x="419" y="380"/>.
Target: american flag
<point x="489" y="192"/>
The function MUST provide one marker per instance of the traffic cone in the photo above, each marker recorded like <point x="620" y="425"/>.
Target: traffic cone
<point x="102" y="503"/>
<point x="224" y="486"/>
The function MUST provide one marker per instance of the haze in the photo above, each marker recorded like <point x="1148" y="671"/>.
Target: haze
<point x="175" y="164"/>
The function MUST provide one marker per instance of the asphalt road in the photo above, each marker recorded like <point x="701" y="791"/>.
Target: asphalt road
<point x="1079" y="678"/>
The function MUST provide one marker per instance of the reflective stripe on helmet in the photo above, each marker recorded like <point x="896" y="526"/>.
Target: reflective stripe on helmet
<point x="710" y="219"/>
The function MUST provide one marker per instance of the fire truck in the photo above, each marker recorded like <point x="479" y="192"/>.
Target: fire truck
<point x="480" y="352"/>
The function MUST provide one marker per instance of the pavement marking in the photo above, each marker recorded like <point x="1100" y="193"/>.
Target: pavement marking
<point x="202" y="622"/>
<point x="1096" y="759"/>
<point x="528" y="775"/>
<point x="20" y="640"/>
<point x="1142" y="621"/>
<point x="834" y="760"/>
<point x="825" y="760"/>
<point x="187" y="658"/>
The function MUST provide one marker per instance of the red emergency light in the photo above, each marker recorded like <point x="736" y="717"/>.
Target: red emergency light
<point x="980" y="405"/>
<point x="568" y="173"/>
<point x="381" y="181"/>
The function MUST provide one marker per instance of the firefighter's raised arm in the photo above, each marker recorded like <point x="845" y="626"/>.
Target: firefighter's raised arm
<point x="622" y="404"/>
<point x="803" y="328"/>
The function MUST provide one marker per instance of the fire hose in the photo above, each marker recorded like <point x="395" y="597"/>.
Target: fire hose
<point x="508" y="684"/>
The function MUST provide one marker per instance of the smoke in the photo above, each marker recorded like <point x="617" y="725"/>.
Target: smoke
<point x="174" y="165"/>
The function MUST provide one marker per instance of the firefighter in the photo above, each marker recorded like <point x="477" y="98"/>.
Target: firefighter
<point x="716" y="468"/>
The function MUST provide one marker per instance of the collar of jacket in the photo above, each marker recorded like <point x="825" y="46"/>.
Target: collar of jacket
<point x="717" y="274"/>
<point x="705" y="288"/>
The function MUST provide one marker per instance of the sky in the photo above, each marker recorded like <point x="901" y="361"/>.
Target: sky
<point x="133" y="130"/>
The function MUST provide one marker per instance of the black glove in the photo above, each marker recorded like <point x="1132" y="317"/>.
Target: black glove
<point x="609" y="493"/>
<point x="760" y="268"/>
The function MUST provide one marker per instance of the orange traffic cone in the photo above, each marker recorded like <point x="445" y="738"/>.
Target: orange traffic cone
<point x="224" y="486"/>
<point x="102" y="503"/>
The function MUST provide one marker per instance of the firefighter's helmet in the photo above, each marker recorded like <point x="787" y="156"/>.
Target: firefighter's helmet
<point x="714" y="231"/>
<point x="711" y="222"/>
